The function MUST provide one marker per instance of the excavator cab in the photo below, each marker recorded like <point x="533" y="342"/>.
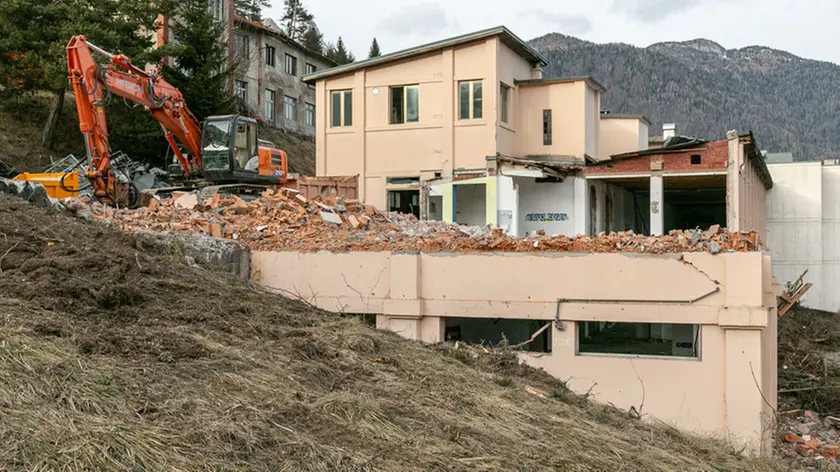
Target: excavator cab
<point x="230" y="152"/>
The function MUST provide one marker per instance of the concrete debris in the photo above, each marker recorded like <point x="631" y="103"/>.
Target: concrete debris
<point x="281" y="220"/>
<point x="813" y="439"/>
<point x="29" y="191"/>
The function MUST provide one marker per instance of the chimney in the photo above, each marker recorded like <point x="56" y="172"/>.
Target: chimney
<point x="669" y="130"/>
<point x="536" y="71"/>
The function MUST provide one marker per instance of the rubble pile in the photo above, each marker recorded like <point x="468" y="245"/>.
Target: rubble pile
<point x="814" y="439"/>
<point x="283" y="220"/>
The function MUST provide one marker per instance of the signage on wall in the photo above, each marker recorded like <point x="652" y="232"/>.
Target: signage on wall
<point x="546" y="217"/>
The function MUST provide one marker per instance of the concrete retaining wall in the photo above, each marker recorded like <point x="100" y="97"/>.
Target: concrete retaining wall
<point x="722" y="392"/>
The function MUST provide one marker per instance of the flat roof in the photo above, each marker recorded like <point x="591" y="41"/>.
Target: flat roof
<point x="508" y="38"/>
<point x="626" y="117"/>
<point x="563" y="80"/>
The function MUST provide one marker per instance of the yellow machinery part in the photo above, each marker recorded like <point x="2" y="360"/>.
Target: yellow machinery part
<point x="52" y="182"/>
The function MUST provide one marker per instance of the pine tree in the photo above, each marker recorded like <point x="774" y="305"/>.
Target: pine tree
<point x="33" y="34"/>
<point x="199" y="60"/>
<point x="296" y="20"/>
<point x="338" y="53"/>
<point x="314" y="40"/>
<point x="374" y="49"/>
<point x="250" y="9"/>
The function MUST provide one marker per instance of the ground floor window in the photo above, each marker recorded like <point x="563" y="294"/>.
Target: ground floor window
<point x="499" y="331"/>
<point x="644" y="339"/>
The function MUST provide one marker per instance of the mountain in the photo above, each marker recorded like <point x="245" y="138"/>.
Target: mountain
<point x="790" y="103"/>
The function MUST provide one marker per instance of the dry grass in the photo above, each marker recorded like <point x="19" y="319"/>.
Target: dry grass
<point x="115" y="358"/>
<point x="22" y="120"/>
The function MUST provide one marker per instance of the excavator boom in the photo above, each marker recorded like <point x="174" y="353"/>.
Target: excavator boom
<point x="94" y="83"/>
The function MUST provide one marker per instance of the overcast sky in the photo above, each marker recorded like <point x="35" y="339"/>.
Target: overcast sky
<point x="807" y="28"/>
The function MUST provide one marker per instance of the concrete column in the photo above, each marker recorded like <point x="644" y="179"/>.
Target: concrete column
<point x="744" y="398"/>
<point x="507" y="203"/>
<point x="447" y="158"/>
<point x="733" y="182"/>
<point x="581" y="206"/>
<point x="432" y="329"/>
<point x="657" y="205"/>
<point x="656" y="331"/>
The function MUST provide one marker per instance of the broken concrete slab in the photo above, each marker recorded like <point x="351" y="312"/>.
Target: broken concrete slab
<point x="29" y="191"/>
<point x="187" y="201"/>
<point x="330" y="217"/>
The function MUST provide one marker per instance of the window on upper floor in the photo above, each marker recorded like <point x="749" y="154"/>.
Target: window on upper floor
<point x="310" y="68"/>
<point x="405" y="106"/>
<point x="240" y="89"/>
<point x="470" y="102"/>
<point x="241" y="47"/>
<point x="270" y="54"/>
<point x="291" y="64"/>
<point x="547" y="127"/>
<point x="341" y="108"/>
<point x="217" y="9"/>
<point x="309" y="114"/>
<point x="504" y="102"/>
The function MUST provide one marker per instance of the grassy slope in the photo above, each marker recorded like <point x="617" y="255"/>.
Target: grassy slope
<point x="116" y="356"/>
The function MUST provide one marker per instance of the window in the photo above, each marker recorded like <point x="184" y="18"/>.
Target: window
<point x="269" y="105"/>
<point x="505" y="103"/>
<point x="341" y="112"/>
<point x="405" y="104"/>
<point x="217" y="9"/>
<point x="469" y="99"/>
<point x="241" y="47"/>
<point x="269" y="55"/>
<point x="310" y="68"/>
<point x="241" y="90"/>
<point x="695" y="159"/>
<point x="639" y="339"/>
<point x="547" y="127"/>
<point x="309" y="114"/>
<point x="291" y="64"/>
<point x="290" y="108"/>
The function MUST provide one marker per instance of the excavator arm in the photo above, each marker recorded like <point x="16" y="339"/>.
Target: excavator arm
<point x="92" y="85"/>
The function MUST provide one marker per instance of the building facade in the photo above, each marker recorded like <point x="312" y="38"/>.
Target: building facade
<point x="268" y="66"/>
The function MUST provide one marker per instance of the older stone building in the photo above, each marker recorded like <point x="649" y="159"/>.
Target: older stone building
<point x="269" y="66"/>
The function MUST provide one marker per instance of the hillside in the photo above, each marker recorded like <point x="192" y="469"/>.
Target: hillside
<point x="22" y="120"/>
<point x="121" y="355"/>
<point x="789" y="102"/>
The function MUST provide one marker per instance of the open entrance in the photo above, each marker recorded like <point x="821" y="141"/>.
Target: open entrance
<point x="492" y="331"/>
<point x="694" y="202"/>
<point x="470" y="204"/>
<point x="404" y="201"/>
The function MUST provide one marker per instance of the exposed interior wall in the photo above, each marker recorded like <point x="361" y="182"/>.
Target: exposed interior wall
<point x="413" y="294"/>
<point x="547" y="206"/>
<point x="471" y="204"/>
<point x="747" y="206"/>
<point x="567" y="101"/>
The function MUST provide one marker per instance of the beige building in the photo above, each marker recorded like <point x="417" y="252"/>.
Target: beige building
<point x="462" y="128"/>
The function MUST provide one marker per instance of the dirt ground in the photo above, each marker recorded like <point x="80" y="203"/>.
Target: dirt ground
<point x="115" y="356"/>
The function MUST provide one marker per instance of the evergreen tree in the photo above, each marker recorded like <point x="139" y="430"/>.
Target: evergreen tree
<point x="250" y="9"/>
<point x="33" y="34"/>
<point x="313" y="39"/>
<point x="374" y="49"/>
<point x="296" y="20"/>
<point x="199" y="60"/>
<point x="338" y="53"/>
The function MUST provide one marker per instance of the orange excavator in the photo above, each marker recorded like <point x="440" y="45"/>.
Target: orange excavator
<point x="221" y="154"/>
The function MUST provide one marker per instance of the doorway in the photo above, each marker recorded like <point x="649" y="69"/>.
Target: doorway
<point x="404" y="201"/>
